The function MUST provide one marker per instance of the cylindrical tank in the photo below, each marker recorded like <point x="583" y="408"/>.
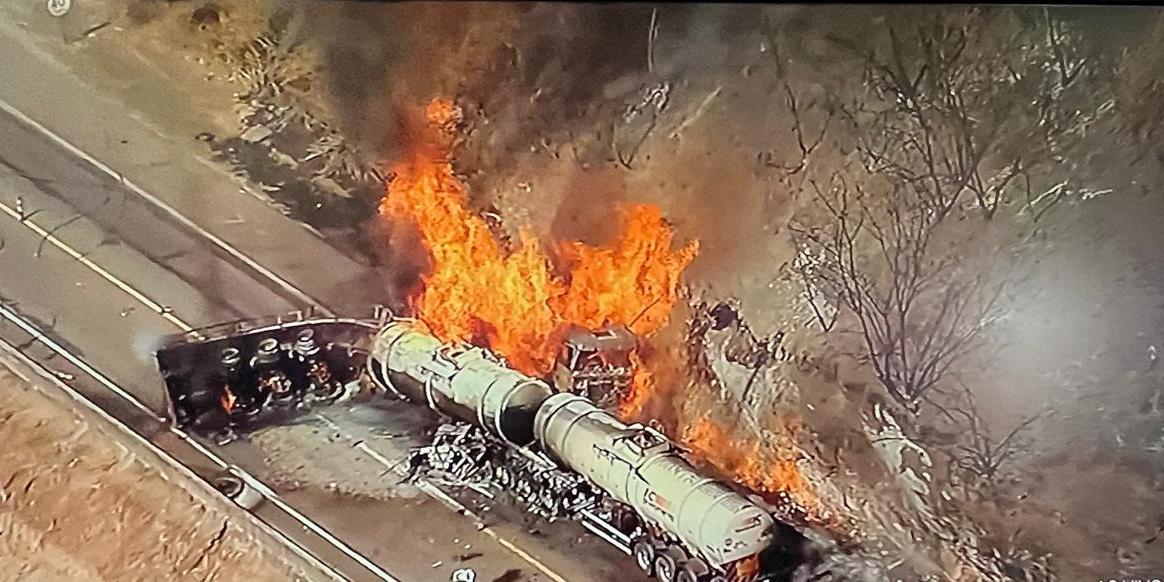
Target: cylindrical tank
<point x="641" y="468"/>
<point x="466" y="382"/>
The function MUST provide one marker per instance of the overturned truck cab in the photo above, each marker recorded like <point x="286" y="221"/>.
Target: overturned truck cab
<point x="247" y="374"/>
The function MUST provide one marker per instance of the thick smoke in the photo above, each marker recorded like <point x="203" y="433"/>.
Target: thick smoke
<point x="381" y="59"/>
<point x="528" y="73"/>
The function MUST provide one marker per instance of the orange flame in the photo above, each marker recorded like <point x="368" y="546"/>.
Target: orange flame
<point x="519" y="301"/>
<point x="641" y="389"/>
<point x="442" y="113"/>
<point x="227" y="399"/>
<point x="747" y="567"/>
<point x="762" y="471"/>
<point x="515" y="302"/>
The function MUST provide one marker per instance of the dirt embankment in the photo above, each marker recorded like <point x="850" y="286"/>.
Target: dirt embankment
<point x="78" y="504"/>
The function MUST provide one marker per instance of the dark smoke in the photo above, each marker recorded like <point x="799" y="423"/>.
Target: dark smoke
<point x="381" y="60"/>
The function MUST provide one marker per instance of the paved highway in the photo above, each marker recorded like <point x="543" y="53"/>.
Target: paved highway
<point x="106" y="273"/>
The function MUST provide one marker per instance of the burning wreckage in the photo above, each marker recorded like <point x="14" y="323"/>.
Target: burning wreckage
<point x="557" y="453"/>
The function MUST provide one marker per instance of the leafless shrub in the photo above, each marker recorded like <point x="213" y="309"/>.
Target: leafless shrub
<point x="957" y="113"/>
<point x="982" y="103"/>
<point x="917" y="307"/>
<point x="982" y="455"/>
<point x="1140" y="91"/>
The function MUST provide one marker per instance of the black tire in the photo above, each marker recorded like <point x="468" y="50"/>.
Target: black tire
<point x="643" y="552"/>
<point x="667" y="564"/>
<point x="238" y="491"/>
<point x="228" y="485"/>
<point x="693" y="570"/>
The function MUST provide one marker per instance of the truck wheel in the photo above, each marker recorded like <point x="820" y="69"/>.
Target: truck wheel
<point x="667" y="564"/>
<point x="694" y="570"/>
<point x="501" y="476"/>
<point x="238" y="491"/>
<point x="644" y="553"/>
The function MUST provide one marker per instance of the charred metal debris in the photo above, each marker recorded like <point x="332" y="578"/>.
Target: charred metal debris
<point x="552" y="452"/>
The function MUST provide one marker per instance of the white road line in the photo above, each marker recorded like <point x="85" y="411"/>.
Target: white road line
<point x="180" y="324"/>
<point x="314" y="527"/>
<point x="158" y="203"/>
<point x="428" y="488"/>
<point x="287" y="286"/>
<point x="81" y="258"/>
<point x="185" y="471"/>
<point x="447" y="501"/>
<point x="55" y="347"/>
<point x="222" y="464"/>
<point x="532" y="560"/>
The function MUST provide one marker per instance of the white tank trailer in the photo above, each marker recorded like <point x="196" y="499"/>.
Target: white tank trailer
<point x="465" y="382"/>
<point x="641" y="468"/>
<point x="634" y="465"/>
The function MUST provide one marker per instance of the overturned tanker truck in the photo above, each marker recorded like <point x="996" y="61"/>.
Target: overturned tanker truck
<point x="565" y="457"/>
<point x="557" y="453"/>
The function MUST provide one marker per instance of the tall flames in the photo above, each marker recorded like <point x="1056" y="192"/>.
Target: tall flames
<point x="518" y="301"/>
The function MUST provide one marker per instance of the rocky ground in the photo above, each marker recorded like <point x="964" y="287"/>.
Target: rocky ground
<point x="78" y="502"/>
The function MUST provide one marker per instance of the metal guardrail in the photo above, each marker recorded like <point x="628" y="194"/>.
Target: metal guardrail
<point x="53" y="379"/>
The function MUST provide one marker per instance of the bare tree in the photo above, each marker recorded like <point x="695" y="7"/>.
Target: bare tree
<point x="982" y="455"/>
<point x="1140" y="91"/>
<point x="917" y="306"/>
<point x="979" y="102"/>
<point x="960" y="112"/>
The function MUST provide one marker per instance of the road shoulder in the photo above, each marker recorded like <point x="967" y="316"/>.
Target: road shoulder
<point x="153" y="148"/>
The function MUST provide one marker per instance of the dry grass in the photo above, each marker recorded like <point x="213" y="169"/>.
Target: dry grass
<point x="78" y="505"/>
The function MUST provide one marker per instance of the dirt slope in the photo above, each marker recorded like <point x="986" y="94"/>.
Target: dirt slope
<point x="78" y="504"/>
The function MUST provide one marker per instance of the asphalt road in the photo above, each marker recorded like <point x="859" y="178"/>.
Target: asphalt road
<point x="107" y="275"/>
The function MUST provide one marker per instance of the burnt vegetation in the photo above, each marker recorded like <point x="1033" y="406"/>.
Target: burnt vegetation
<point x="959" y="120"/>
<point x="928" y="185"/>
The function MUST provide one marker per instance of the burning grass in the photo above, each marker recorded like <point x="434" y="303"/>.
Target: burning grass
<point x="771" y="469"/>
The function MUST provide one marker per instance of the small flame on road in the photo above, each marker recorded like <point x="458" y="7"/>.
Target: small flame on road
<point x="227" y="399"/>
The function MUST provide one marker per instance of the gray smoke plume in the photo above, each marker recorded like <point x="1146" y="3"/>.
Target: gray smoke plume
<point x="381" y="59"/>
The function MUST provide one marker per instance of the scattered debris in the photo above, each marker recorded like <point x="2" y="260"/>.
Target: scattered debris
<point x="699" y="111"/>
<point x="256" y="133"/>
<point x="59" y="8"/>
<point x="464" y="575"/>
